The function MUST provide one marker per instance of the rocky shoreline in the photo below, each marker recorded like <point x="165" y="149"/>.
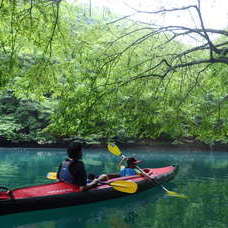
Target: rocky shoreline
<point x="144" y="143"/>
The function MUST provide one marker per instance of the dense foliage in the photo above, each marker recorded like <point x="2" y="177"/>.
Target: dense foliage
<point x="23" y="120"/>
<point x="93" y="73"/>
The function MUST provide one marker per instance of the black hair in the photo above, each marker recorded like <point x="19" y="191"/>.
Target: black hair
<point x="131" y="162"/>
<point x="74" y="150"/>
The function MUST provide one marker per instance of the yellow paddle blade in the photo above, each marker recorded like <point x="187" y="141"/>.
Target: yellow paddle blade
<point x="114" y="149"/>
<point x="175" y="194"/>
<point x="124" y="186"/>
<point x="52" y="175"/>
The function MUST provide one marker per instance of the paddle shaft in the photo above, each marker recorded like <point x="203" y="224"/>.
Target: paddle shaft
<point x="149" y="177"/>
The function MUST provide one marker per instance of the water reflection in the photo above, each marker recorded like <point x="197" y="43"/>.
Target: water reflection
<point x="84" y="215"/>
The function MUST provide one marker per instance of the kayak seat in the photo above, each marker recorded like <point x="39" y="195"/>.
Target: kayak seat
<point x="146" y="170"/>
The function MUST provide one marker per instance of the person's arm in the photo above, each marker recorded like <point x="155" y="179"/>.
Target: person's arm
<point x="89" y="185"/>
<point x="121" y="161"/>
<point x="102" y="177"/>
<point x="77" y="170"/>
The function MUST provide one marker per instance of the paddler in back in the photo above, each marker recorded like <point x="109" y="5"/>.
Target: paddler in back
<point x="72" y="169"/>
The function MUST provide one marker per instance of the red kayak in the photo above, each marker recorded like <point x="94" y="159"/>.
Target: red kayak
<point x="60" y="194"/>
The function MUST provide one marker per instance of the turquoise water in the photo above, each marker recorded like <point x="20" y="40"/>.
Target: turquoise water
<point x="203" y="177"/>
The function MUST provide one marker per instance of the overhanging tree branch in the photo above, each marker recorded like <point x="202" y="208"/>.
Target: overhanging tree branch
<point x="212" y="51"/>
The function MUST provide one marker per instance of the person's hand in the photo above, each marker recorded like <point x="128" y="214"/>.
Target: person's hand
<point x="103" y="177"/>
<point x="95" y="181"/>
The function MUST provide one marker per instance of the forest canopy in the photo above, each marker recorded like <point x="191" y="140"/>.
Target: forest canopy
<point x="103" y="76"/>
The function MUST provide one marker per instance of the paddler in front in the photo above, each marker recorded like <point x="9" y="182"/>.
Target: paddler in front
<point x="72" y="169"/>
<point x="130" y="169"/>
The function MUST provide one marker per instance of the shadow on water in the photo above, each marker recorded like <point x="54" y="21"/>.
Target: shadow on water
<point x="84" y="215"/>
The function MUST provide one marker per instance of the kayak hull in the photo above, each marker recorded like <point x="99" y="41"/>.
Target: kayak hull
<point x="59" y="194"/>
